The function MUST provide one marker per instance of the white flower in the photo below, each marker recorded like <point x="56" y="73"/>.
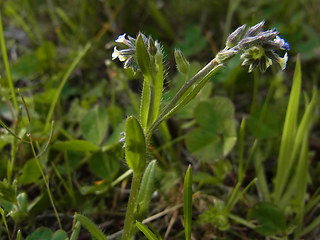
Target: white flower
<point x="283" y="61"/>
<point x="122" y="39"/>
<point x="117" y="54"/>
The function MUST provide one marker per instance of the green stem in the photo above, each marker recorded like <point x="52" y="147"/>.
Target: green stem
<point x="129" y="223"/>
<point x="201" y="74"/>
<point x="151" y="106"/>
<point x="46" y="182"/>
<point x="6" y="65"/>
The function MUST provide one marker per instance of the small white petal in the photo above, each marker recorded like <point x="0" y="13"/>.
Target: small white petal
<point x="122" y="38"/>
<point x="283" y="61"/>
<point x="117" y="54"/>
<point x="122" y="58"/>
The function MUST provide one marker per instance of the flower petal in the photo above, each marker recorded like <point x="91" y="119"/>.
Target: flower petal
<point x="121" y="39"/>
<point x="283" y="61"/>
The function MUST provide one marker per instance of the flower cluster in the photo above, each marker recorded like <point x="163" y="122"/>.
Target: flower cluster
<point x="128" y="55"/>
<point x="258" y="47"/>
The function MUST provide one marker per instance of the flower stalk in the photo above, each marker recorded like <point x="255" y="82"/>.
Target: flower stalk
<point x="258" y="50"/>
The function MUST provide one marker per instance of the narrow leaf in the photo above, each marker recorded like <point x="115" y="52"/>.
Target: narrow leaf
<point x="146" y="190"/>
<point x="187" y="203"/>
<point x="157" y="88"/>
<point x="91" y="227"/>
<point x="288" y="135"/>
<point x="145" y="104"/>
<point x="76" y="231"/>
<point x="76" y="146"/>
<point x="143" y="57"/>
<point x="146" y="231"/>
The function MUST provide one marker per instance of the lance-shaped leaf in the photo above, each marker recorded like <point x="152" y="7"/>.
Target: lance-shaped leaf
<point x="187" y="203"/>
<point x="143" y="57"/>
<point x="146" y="190"/>
<point x="135" y="147"/>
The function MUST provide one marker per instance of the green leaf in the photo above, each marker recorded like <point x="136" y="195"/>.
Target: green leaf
<point x="135" y="148"/>
<point x="7" y="191"/>
<point x="288" y="135"/>
<point x="59" y="235"/>
<point x="41" y="233"/>
<point x="90" y="226"/>
<point x="143" y="57"/>
<point x="94" y="125"/>
<point x="187" y="203"/>
<point x="301" y="169"/>
<point x="216" y="134"/>
<point x="217" y="215"/>
<point x="157" y="88"/>
<point x="76" y="231"/>
<point x="30" y="172"/>
<point x="270" y="217"/>
<point x="191" y="93"/>
<point x="146" y="190"/>
<point x="146" y="231"/>
<point x="145" y="104"/>
<point x="75" y="145"/>
<point x="104" y="165"/>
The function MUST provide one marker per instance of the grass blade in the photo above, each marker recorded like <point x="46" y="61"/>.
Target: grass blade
<point x="288" y="135"/>
<point x="7" y="67"/>
<point x="90" y="226"/>
<point x="301" y="134"/>
<point x="146" y="231"/>
<point x="187" y="203"/>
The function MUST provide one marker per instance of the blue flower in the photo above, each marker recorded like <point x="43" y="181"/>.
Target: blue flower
<point x="259" y="48"/>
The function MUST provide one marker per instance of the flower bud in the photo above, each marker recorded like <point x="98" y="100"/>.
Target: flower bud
<point x="235" y="36"/>
<point x="182" y="63"/>
<point x="225" y="55"/>
<point x="151" y="46"/>
<point x="254" y="30"/>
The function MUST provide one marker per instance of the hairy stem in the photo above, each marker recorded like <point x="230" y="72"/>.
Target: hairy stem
<point x="129" y="223"/>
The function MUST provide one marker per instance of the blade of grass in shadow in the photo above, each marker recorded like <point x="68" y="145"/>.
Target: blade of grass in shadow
<point x="301" y="184"/>
<point x="63" y="82"/>
<point x="187" y="203"/>
<point x="90" y="226"/>
<point x="7" y="67"/>
<point x="76" y="231"/>
<point x="288" y="135"/>
<point x="5" y="222"/>
<point x="315" y="223"/>
<point x="261" y="175"/>
<point x="146" y="231"/>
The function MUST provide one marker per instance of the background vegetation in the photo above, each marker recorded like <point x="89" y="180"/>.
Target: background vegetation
<point x="59" y="57"/>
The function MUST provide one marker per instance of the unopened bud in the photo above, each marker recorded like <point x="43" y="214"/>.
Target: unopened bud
<point x="225" y="55"/>
<point x="151" y="46"/>
<point x="254" y="30"/>
<point x="182" y="63"/>
<point x="235" y="37"/>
